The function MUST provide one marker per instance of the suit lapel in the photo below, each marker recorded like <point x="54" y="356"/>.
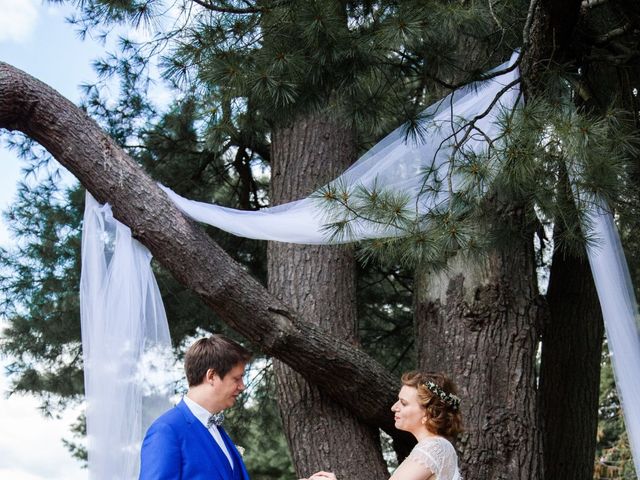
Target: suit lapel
<point x="239" y="470"/>
<point x="219" y="461"/>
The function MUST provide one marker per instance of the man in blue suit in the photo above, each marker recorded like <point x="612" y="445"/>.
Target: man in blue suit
<point x="187" y="442"/>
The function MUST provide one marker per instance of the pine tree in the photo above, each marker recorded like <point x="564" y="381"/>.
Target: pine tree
<point x="255" y="69"/>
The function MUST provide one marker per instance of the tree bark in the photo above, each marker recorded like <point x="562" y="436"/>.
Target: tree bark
<point x="319" y="282"/>
<point x="477" y="323"/>
<point x="342" y="371"/>
<point x="549" y="38"/>
<point x="570" y="370"/>
<point x="569" y="382"/>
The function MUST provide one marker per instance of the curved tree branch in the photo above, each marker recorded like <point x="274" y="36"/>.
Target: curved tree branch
<point x="344" y="372"/>
<point x="209" y="5"/>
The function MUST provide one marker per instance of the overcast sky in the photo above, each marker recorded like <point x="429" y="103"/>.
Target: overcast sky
<point x="35" y="38"/>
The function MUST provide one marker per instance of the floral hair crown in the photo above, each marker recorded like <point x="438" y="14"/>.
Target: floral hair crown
<point x="449" y="399"/>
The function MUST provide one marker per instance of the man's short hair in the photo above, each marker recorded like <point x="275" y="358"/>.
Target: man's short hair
<point x="216" y="352"/>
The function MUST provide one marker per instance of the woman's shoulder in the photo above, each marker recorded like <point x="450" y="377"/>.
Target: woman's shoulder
<point x="435" y="441"/>
<point x="436" y="448"/>
<point x="438" y="454"/>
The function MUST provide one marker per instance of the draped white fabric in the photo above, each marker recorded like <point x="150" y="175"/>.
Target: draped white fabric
<point x="123" y="317"/>
<point x="395" y="163"/>
<point x="125" y="342"/>
<point x="620" y="313"/>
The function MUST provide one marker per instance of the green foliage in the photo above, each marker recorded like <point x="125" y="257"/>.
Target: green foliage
<point x="38" y="294"/>
<point x="77" y="449"/>
<point x="385" y="314"/>
<point x="613" y="453"/>
<point x="254" y="423"/>
<point x="548" y="159"/>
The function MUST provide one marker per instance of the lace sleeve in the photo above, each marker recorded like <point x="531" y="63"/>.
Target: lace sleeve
<point x="438" y="455"/>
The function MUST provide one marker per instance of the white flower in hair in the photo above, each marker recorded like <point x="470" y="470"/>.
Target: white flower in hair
<point x="449" y="399"/>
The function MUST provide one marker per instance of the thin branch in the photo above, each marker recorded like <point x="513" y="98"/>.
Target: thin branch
<point x="464" y="83"/>
<point x="593" y="3"/>
<point x="616" y="32"/>
<point x="469" y="127"/>
<point x="617" y="60"/>
<point x="493" y="15"/>
<point x="527" y="25"/>
<point x="209" y="5"/>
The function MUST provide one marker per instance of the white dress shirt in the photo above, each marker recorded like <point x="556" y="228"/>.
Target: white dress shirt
<point x="202" y="414"/>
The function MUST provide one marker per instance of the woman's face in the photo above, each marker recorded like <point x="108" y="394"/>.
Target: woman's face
<point x="408" y="411"/>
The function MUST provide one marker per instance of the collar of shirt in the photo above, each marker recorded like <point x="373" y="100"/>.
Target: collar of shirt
<point x="201" y="413"/>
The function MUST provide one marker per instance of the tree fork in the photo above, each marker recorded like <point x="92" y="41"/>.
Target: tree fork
<point x="344" y="372"/>
<point x="319" y="281"/>
<point x="572" y="339"/>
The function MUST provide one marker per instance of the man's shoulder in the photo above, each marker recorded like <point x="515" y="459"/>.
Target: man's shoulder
<point x="173" y="417"/>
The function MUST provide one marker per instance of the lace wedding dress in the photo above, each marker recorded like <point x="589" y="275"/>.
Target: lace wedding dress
<point x="439" y="456"/>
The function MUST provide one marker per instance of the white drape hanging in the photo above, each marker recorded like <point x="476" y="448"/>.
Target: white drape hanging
<point x="620" y="313"/>
<point x="125" y="344"/>
<point x="395" y="164"/>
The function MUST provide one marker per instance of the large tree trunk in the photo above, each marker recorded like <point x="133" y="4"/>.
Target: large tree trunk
<point x="570" y="370"/>
<point x="319" y="282"/>
<point x="572" y="336"/>
<point x="477" y="323"/>
<point x="342" y="371"/>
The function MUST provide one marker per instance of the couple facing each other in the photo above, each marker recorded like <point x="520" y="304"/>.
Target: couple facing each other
<point x="188" y="442"/>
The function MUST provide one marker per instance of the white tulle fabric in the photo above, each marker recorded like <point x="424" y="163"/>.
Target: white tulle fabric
<point x="439" y="456"/>
<point x="124" y="327"/>
<point x="621" y="321"/>
<point x="395" y="163"/>
<point x="125" y="342"/>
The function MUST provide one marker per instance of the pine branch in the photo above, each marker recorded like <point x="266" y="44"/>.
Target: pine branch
<point x="209" y="5"/>
<point x="493" y="15"/>
<point x="527" y="25"/>
<point x="616" y="32"/>
<point x="455" y="86"/>
<point x="616" y="60"/>
<point x="470" y="127"/>
<point x="593" y="3"/>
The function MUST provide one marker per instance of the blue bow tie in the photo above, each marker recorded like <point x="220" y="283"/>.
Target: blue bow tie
<point x="215" y="419"/>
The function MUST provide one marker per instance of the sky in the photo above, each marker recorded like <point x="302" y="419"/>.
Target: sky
<point x="35" y="38"/>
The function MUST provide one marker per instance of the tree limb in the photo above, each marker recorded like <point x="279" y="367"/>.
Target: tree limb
<point x="209" y="5"/>
<point x="344" y="372"/>
<point x="592" y="3"/>
<point x="616" y="32"/>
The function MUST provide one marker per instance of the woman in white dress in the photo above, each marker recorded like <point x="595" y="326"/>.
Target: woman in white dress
<point x="429" y="409"/>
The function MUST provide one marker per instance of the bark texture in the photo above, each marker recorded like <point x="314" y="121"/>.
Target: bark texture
<point x="477" y="323"/>
<point x="344" y="372"/>
<point x="572" y="337"/>
<point x="570" y="370"/>
<point x="319" y="282"/>
<point x="549" y="38"/>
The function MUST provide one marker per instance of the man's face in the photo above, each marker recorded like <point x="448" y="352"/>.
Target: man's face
<point x="228" y="388"/>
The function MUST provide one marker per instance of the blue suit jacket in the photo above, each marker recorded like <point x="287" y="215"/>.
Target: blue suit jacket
<point x="178" y="447"/>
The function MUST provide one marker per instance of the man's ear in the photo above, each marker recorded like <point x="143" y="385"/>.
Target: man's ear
<point x="209" y="376"/>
